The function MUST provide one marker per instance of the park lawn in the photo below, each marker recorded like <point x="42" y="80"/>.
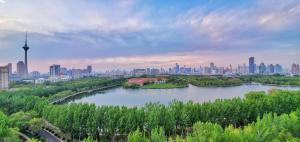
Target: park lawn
<point x="163" y="86"/>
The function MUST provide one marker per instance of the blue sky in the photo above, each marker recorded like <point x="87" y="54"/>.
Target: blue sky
<point x="137" y="33"/>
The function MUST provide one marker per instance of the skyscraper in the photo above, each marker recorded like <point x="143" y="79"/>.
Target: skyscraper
<point x="262" y="68"/>
<point x="295" y="69"/>
<point x="21" y="70"/>
<point x="55" y="70"/>
<point x="177" y="68"/>
<point x="26" y="48"/>
<point x="9" y="67"/>
<point x="89" y="69"/>
<point x="212" y="65"/>
<point x="4" y="79"/>
<point x="251" y="65"/>
<point x="271" y="69"/>
<point x="278" y="68"/>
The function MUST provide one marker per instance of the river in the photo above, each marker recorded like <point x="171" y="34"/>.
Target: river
<point x="139" y="97"/>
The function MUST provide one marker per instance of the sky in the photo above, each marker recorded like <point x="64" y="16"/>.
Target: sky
<point x="111" y="34"/>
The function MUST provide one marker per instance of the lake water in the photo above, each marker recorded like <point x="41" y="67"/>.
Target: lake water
<point x="139" y="97"/>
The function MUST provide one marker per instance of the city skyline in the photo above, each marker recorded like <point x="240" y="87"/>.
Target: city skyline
<point x="149" y="33"/>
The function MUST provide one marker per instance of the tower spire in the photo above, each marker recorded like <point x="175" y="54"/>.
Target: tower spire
<point x="26" y="48"/>
<point x="26" y="39"/>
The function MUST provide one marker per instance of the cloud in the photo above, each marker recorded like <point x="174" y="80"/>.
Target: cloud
<point x="107" y="30"/>
<point x="238" y="22"/>
<point x="48" y="17"/>
<point x="2" y="1"/>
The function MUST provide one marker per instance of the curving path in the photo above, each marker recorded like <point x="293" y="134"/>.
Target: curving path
<point x="49" y="137"/>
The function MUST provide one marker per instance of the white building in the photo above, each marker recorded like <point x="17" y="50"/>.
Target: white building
<point x="4" y="78"/>
<point x="59" y="78"/>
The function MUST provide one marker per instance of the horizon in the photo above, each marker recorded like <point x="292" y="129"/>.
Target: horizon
<point x="149" y="33"/>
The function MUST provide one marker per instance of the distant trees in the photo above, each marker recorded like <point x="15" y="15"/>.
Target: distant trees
<point x="273" y="79"/>
<point x="73" y="86"/>
<point x="217" y="81"/>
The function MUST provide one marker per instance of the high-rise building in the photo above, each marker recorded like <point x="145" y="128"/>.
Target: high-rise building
<point x="295" y="69"/>
<point x="242" y="69"/>
<point x="89" y="69"/>
<point x="63" y="71"/>
<point x="278" y="69"/>
<point x="76" y="73"/>
<point x="55" y="70"/>
<point x="4" y="79"/>
<point x="251" y="65"/>
<point x="212" y="65"/>
<point x="9" y="67"/>
<point x="26" y="48"/>
<point x="271" y="69"/>
<point x="177" y="68"/>
<point x="262" y="68"/>
<point x="21" y="70"/>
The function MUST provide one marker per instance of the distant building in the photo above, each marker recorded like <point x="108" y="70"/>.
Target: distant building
<point x="55" y="70"/>
<point x="89" y="69"/>
<point x="278" y="69"/>
<point x="4" y="79"/>
<point x="35" y="74"/>
<point x="212" y="65"/>
<point x="76" y="73"/>
<point x="177" y="68"/>
<point x="9" y="67"/>
<point x="154" y="71"/>
<point x="271" y="69"/>
<point x="262" y="68"/>
<point x="63" y="71"/>
<point x="21" y="69"/>
<point x="207" y="70"/>
<point x="251" y="65"/>
<point x="138" y="72"/>
<point x="242" y="69"/>
<point x="58" y="78"/>
<point x="295" y="69"/>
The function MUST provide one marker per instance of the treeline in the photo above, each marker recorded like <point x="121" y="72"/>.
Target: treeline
<point x="274" y="79"/>
<point x="220" y="81"/>
<point x="73" y="85"/>
<point x="216" y="81"/>
<point x="180" y="81"/>
<point x="207" y="81"/>
<point x="270" y="127"/>
<point x="177" y="118"/>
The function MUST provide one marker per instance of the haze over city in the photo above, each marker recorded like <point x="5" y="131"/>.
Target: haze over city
<point x="137" y="34"/>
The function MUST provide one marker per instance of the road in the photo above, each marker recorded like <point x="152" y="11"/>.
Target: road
<point x="48" y="137"/>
